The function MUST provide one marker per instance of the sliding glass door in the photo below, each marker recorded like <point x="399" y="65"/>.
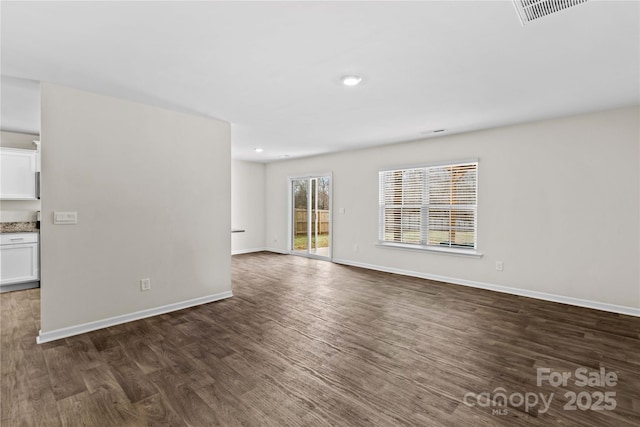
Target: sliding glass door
<point x="311" y="216"/>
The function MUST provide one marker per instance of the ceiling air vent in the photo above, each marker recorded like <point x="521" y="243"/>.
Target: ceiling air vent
<point x="530" y="10"/>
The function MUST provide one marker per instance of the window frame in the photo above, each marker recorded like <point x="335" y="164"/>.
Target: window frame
<point x="424" y="227"/>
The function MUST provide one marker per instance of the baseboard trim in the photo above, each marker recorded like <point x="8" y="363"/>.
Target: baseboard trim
<point x="620" y="309"/>
<point x="57" y="334"/>
<point x="247" y="251"/>
<point x="276" y="250"/>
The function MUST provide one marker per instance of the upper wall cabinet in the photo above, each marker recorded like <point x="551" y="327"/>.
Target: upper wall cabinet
<point x="18" y="178"/>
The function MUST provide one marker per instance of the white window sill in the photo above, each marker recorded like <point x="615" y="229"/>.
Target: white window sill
<point x="433" y="249"/>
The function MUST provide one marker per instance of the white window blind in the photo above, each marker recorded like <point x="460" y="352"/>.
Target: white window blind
<point x="433" y="206"/>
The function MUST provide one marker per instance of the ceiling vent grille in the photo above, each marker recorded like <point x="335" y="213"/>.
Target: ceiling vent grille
<point x="530" y="10"/>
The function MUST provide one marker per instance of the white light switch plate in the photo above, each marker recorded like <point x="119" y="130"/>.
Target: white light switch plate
<point x="65" y="218"/>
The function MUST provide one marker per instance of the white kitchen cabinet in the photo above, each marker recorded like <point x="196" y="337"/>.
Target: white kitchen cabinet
<point x="18" y="258"/>
<point x="18" y="178"/>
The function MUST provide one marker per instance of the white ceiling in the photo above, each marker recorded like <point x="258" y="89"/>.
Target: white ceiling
<point x="273" y="69"/>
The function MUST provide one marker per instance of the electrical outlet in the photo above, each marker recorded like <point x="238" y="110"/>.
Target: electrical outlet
<point x="145" y="284"/>
<point x="499" y="266"/>
<point x="355" y="247"/>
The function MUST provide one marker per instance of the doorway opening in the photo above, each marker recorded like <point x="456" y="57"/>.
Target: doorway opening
<point x="311" y="216"/>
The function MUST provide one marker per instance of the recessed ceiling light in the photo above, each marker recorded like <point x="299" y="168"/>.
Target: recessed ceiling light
<point x="352" y="80"/>
<point x="258" y="150"/>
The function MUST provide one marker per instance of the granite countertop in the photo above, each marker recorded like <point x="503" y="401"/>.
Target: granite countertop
<point x="19" y="227"/>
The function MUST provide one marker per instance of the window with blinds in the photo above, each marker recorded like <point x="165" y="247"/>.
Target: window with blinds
<point x="434" y="206"/>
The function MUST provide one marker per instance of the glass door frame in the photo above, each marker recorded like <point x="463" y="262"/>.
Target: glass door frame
<point x="291" y="222"/>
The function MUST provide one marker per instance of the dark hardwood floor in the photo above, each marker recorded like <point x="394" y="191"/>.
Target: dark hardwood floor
<point x="306" y="342"/>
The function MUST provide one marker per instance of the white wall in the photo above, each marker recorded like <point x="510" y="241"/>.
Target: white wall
<point x="18" y="210"/>
<point x="558" y="204"/>
<point x="247" y="206"/>
<point x="152" y="192"/>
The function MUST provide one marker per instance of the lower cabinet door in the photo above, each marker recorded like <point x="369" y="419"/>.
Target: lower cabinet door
<point x="19" y="263"/>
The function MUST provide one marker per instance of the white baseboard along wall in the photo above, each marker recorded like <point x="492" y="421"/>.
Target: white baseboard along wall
<point x="57" y="334"/>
